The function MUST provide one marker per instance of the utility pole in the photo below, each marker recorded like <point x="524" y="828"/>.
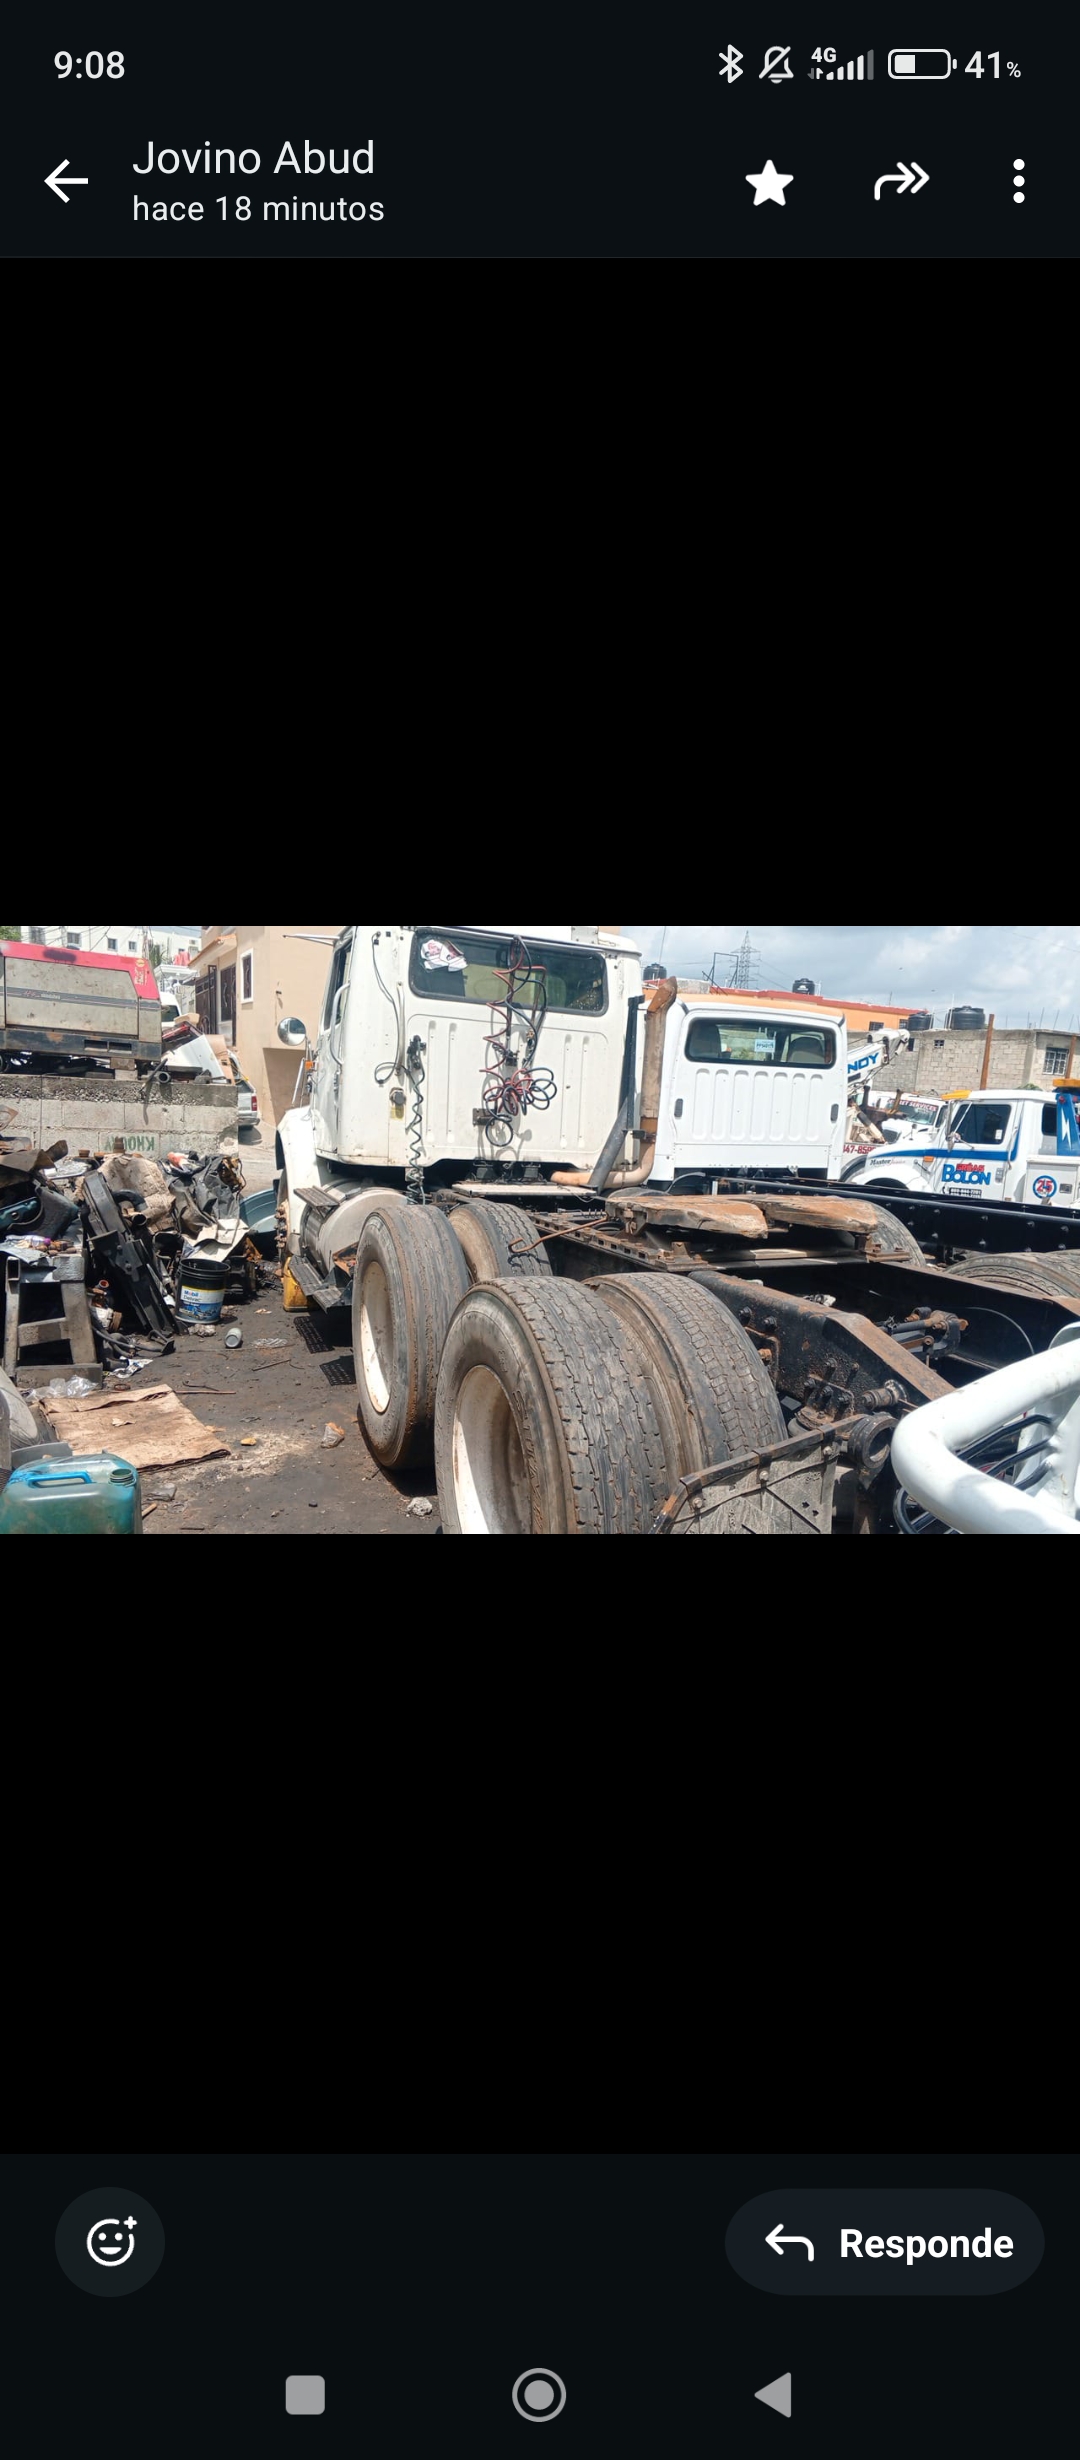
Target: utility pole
<point x="985" y="1077"/>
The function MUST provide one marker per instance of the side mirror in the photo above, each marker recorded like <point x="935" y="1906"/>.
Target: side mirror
<point x="292" y="1031"/>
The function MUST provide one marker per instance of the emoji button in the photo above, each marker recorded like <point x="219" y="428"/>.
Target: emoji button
<point x="105" y="2240"/>
<point x="110" y="2242"/>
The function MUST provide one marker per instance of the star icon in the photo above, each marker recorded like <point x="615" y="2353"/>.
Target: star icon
<point x="769" y="185"/>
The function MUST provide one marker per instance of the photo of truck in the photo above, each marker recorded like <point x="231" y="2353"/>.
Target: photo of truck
<point x="594" y="1251"/>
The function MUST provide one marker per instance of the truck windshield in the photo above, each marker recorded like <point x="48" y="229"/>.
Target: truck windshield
<point x="982" y="1123"/>
<point x="468" y="966"/>
<point x="759" y="1044"/>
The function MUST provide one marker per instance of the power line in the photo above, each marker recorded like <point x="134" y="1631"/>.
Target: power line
<point x="735" y="969"/>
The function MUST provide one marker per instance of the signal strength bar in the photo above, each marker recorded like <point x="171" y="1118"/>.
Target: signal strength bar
<point x="854" y="74"/>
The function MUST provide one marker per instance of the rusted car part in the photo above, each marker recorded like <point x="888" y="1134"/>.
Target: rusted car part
<point x="799" y="1474"/>
<point x="661" y="997"/>
<point x="809" y="1348"/>
<point x="945" y="1228"/>
<point x="123" y="1248"/>
<point x="1000" y="1326"/>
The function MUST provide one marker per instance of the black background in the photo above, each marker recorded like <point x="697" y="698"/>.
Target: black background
<point x="576" y="131"/>
<point x="421" y="2286"/>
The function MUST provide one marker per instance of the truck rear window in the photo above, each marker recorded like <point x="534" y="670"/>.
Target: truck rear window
<point x="470" y="967"/>
<point x="763" y="1043"/>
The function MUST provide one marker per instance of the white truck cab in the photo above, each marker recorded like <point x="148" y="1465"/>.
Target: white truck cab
<point x="403" y="1062"/>
<point x="744" y="1089"/>
<point x="406" y="1063"/>
<point x="1007" y="1145"/>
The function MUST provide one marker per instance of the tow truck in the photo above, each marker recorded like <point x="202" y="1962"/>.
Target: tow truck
<point x="516" y="1191"/>
<point x="1010" y="1146"/>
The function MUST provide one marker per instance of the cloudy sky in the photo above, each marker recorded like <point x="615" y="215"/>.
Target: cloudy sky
<point x="1024" y="972"/>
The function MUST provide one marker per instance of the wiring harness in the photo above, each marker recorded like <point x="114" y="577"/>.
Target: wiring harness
<point x="513" y="1086"/>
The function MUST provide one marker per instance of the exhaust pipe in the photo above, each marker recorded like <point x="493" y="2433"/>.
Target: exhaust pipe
<point x="664" y="995"/>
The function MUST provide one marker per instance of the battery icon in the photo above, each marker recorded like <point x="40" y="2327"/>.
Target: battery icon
<point x="935" y="64"/>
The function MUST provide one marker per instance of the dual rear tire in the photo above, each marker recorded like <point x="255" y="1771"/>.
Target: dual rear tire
<point x="558" y="1408"/>
<point x="413" y="1266"/>
<point x="570" y="1410"/>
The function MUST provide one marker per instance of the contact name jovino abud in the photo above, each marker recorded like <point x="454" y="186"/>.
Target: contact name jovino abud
<point x="311" y="162"/>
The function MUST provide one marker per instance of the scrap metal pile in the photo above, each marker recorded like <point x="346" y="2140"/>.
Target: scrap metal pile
<point x="107" y="1260"/>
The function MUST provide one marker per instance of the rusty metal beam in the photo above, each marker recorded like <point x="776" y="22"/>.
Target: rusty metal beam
<point x="817" y="1344"/>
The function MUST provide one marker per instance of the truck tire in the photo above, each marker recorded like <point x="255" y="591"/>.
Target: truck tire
<point x="1055" y="1276"/>
<point x="489" y="1235"/>
<point x="710" y="1391"/>
<point x="892" y="1238"/>
<point x="543" y="1427"/>
<point x="410" y="1275"/>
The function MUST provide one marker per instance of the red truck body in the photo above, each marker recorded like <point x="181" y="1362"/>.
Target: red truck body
<point x="62" y="1004"/>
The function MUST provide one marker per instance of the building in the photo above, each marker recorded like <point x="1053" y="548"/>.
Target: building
<point x="248" y="977"/>
<point x="115" y="939"/>
<point x="953" y="1062"/>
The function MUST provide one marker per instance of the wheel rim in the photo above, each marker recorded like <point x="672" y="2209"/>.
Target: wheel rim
<point x="376" y="1336"/>
<point x="491" y="1484"/>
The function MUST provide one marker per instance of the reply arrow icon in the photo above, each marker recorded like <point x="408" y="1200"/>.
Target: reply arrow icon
<point x="778" y="2242"/>
<point x="905" y="179"/>
<point x="59" y="185"/>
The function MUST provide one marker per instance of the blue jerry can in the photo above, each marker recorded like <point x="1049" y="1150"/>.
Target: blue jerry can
<point x="98" y="1496"/>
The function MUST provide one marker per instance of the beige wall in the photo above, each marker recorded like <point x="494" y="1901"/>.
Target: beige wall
<point x="288" y="979"/>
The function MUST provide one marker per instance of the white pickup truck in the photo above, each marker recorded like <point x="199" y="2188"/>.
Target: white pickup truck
<point x="1009" y="1146"/>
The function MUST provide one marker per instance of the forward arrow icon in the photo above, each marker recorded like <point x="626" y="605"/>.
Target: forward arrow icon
<point x="59" y="185"/>
<point x="904" y="179"/>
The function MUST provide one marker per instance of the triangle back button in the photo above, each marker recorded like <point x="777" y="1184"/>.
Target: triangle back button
<point x="777" y="2395"/>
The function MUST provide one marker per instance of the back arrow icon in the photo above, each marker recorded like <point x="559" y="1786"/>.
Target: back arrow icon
<point x="58" y="185"/>
<point x="776" y="2236"/>
<point x="904" y="179"/>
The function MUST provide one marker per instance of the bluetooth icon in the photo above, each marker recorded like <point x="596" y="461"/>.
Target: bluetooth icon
<point x="729" y="60"/>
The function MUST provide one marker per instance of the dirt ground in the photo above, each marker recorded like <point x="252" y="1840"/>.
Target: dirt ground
<point x="284" y="1484"/>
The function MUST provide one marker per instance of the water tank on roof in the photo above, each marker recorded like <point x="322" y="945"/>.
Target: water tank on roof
<point x="966" y="1020"/>
<point x="920" y="1022"/>
<point x="655" y="973"/>
<point x="805" y="985"/>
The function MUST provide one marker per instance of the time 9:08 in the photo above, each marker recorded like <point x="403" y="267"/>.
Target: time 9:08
<point x="94" y="64"/>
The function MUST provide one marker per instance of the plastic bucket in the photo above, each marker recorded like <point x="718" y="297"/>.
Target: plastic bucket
<point x="202" y="1291"/>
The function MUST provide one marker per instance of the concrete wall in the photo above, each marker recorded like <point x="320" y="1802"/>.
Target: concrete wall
<point x="949" y="1062"/>
<point x="37" y="1110"/>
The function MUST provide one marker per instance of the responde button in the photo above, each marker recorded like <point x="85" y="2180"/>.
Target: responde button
<point x="887" y="2242"/>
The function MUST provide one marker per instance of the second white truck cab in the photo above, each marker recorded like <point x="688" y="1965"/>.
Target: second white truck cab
<point x="746" y="1090"/>
<point x="1007" y="1145"/>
